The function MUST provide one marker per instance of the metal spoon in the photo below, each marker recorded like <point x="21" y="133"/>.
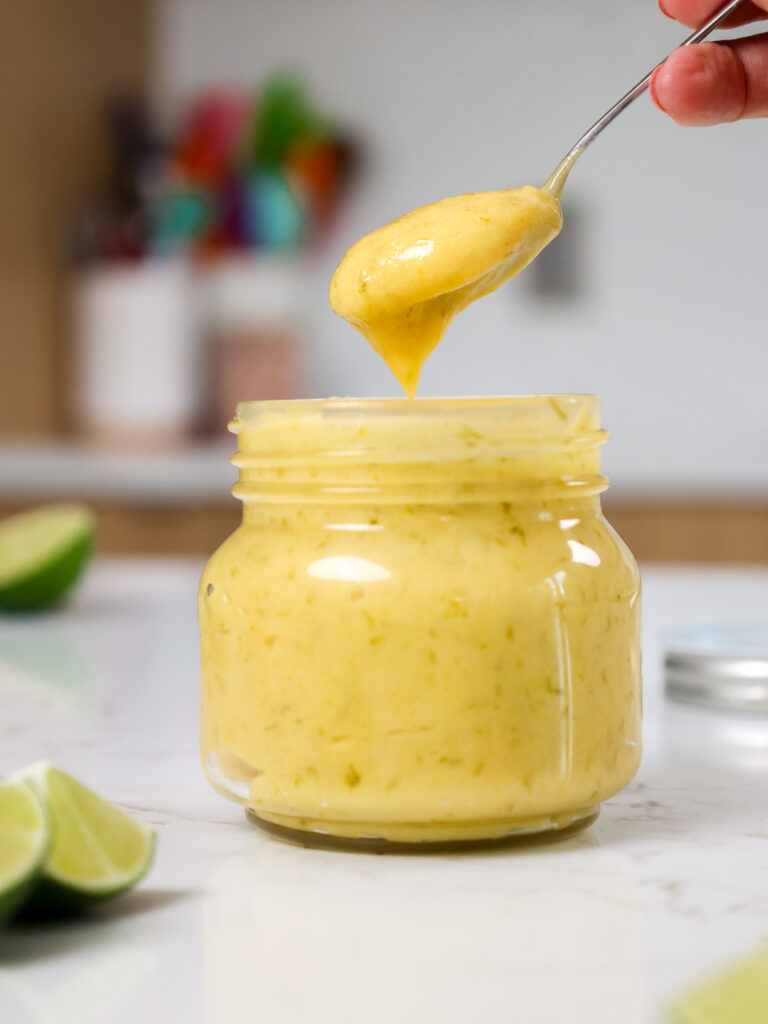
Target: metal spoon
<point x="556" y="181"/>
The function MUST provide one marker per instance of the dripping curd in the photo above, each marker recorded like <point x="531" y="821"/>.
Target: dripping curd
<point x="402" y="285"/>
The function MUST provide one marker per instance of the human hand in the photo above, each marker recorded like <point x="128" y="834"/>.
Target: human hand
<point x="710" y="83"/>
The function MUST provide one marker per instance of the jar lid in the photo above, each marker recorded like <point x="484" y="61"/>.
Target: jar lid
<point x="722" y="666"/>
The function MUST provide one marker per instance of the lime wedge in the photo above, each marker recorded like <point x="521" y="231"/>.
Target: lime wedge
<point x="97" y="849"/>
<point x="24" y="840"/>
<point x="739" y="995"/>
<point x="42" y="553"/>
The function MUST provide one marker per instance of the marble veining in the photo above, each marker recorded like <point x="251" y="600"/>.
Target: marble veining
<point x="232" y="926"/>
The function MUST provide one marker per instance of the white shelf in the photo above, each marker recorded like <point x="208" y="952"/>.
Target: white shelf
<point x="196" y="475"/>
<point x="201" y="475"/>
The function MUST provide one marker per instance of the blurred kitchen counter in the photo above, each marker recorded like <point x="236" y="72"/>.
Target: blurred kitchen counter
<point x="231" y="926"/>
<point x="178" y="502"/>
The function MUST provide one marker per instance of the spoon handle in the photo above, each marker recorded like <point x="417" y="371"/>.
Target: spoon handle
<point x="556" y="180"/>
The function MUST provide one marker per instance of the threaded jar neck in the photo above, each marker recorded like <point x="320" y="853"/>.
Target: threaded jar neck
<point x="432" y="450"/>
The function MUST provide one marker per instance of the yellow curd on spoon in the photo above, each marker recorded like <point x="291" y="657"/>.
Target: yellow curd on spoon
<point x="402" y="285"/>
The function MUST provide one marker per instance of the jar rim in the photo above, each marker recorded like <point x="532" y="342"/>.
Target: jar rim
<point x="345" y="445"/>
<point x="542" y="416"/>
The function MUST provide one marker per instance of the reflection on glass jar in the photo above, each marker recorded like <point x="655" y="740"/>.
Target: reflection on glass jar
<point x="424" y="630"/>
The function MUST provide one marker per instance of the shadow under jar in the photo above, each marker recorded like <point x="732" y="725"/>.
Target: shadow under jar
<point x="424" y="631"/>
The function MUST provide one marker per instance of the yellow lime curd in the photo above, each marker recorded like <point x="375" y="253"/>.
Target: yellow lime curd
<point x="424" y="631"/>
<point x="403" y="284"/>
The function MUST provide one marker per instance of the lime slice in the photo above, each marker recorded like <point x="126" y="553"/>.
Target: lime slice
<point x="42" y="553"/>
<point x="24" y="840"/>
<point x="739" y="995"/>
<point x="97" y="849"/>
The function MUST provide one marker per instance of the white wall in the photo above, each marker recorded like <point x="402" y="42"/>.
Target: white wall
<point x="465" y="96"/>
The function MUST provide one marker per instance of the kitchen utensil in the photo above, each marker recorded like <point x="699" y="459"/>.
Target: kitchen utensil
<point x="557" y="179"/>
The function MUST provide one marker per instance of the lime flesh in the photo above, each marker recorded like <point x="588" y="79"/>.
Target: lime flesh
<point x="42" y="554"/>
<point x="737" y="996"/>
<point x="24" y="841"/>
<point x="97" y="849"/>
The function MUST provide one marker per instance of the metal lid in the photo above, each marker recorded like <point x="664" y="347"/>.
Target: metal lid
<point x="723" y="666"/>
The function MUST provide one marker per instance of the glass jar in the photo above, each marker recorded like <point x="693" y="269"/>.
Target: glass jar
<point x="424" y="631"/>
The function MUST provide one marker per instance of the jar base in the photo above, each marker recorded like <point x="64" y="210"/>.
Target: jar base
<point x="369" y="837"/>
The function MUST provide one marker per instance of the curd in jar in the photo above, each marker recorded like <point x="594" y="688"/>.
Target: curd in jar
<point x="424" y="630"/>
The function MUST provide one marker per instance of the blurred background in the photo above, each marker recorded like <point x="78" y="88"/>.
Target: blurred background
<point x="178" y="180"/>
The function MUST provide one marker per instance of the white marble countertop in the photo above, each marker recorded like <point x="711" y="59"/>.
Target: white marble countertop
<point x="232" y="926"/>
